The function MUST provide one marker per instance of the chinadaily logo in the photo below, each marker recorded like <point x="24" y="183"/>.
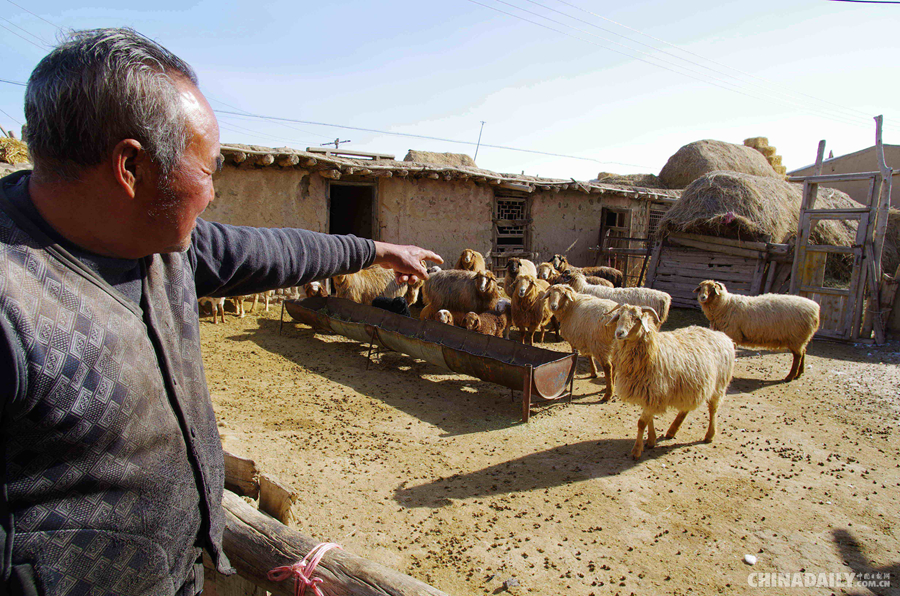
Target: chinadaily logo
<point x="819" y="580"/>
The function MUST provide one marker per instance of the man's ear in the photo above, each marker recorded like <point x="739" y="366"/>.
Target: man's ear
<point x="129" y="164"/>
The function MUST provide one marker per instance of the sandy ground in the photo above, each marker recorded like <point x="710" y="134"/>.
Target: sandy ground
<point x="433" y="473"/>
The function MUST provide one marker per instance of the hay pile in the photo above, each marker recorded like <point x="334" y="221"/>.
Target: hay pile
<point x="755" y="208"/>
<point x="761" y="144"/>
<point x="13" y="151"/>
<point x="440" y="159"/>
<point x="642" y="180"/>
<point x="702" y="157"/>
<point x="890" y="257"/>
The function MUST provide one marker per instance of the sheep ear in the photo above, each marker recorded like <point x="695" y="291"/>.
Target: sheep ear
<point x="646" y="323"/>
<point x="697" y="289"/>
<point x="650" y="312"/>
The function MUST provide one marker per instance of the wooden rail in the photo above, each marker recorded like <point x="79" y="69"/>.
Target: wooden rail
<point x="256" y="543"/>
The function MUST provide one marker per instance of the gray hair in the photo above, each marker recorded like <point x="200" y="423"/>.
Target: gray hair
<point x="101" y="86"/>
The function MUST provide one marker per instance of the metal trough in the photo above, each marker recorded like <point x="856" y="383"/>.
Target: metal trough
<point x="541" y="374"/>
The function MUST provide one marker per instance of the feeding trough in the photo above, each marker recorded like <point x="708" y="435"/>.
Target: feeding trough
<point x="540" y="374"/>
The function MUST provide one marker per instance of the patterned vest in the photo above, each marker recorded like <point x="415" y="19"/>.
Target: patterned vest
<point x="113" y="462"/>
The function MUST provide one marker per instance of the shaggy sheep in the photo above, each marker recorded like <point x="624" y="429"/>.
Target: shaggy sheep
<point x="655" y="299"/>
<point x="614" y="276"/>
<point x="529" y="307"/>
<point x="315" y="288"/>
<point x="447" y="317"/>
<point x="488" y="323"/>
<point x="216" y="305"/>
<point x="772" y="321"/>
<point x="461" y="291"/>
<point x="366" y="285"/>
<point x="396" y="305"/>
<point x="657" y="370"/>
<point x="470" y="260"/>
<point x="547" y="272"/>
<point x="515" y="266"/>
<point x="580" y="319"/>
<point x="597" y="281"/>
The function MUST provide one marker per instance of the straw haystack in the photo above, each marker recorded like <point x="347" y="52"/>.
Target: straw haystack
<point x="745" y="207"/>
<point x="702" y="157"/>
<point x="641" y="180"/>
<point x="890" y="257"/>
<point x="440" y="159"/>
<point x="13" y="151"/>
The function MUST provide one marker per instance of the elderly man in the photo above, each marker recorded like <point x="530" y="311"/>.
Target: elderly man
<point x="112" y="464"/>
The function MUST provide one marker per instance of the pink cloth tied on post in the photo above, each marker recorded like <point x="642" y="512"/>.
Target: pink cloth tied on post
<point x="303" y="570"/>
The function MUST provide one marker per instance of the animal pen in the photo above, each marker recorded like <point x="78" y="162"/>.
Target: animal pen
<point x="773" y="236"/>
<point x="540" y="374"/>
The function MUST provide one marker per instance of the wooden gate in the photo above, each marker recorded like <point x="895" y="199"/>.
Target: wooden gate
<point x="842" y="307"/>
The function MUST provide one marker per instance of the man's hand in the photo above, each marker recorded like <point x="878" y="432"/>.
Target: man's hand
<point x="408" y="262"/>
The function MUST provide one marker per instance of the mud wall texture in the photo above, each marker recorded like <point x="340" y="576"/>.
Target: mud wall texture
<point x="566" y="217"/>
<point x="269" y="197"/>
<point x="444" y="216"/>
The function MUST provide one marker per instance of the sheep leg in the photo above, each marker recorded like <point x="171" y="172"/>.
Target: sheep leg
<point x="676" y="424"/>
<point x="795" y="366"/>
<point x="255" y="301"/>
<point x="651" y="434"/>
<point x="802" y="362"/>
<point x="639" y="442"/>
<point x="218" y="308"/>
<point x="607" y="372"/>
<point x="543" y="331"/>
<point x="593" y="367"/>
<point x="713" y="408"/>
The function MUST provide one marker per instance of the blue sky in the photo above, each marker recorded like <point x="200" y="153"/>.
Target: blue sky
<point x="795" y="72"/>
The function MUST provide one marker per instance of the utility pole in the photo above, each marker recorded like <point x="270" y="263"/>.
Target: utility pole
<point x="337" y="143"/>
<point x="479" y="141"/>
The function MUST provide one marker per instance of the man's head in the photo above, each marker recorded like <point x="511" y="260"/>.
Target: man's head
<point x="97" y="88"/>
<point x="111" y="108"/>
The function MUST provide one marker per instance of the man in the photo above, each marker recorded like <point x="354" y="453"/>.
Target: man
<point x="112" y="464"/>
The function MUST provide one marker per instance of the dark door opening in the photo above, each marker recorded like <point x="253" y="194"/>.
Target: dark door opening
<point x="352" y="210"/>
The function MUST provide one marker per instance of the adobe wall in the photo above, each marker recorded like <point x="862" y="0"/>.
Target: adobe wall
<point x="562" y="218"/>
<point x="269" y="197"/>
<point x="442" y="216"/>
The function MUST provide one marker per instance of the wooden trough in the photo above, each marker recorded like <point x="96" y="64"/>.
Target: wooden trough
<point x="540" y="374"/>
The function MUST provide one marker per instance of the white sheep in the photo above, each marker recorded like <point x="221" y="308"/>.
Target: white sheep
<point x="657" y="300"/>
<point x="529" y="308"/>
<point x="771" y="321"/>
<point x="681" y="369"/>
<point x="216" y="305"/>
<point x="581" y="324"/>
<point x="515" y="266"/>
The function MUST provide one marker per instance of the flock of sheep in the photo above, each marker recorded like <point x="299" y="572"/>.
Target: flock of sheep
<point x="618" y="326"/>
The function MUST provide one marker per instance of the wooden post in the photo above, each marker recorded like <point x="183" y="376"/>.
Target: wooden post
<point x="654" y="263"/>
<point x="526" y="393"/>
<point x="255" y="544"/>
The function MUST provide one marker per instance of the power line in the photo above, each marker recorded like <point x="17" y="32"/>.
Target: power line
<point x="869" y="1"/>
<point x="26" y="31"/>
<point x="248" y="113"/>
<point x="14" y="82"/>
<point x="779" y="88"/>
<point x="25" y="38"/>
<point x="36" y="15"/>
<point x="429" y="138"/>
<point x="11" y="118"/>
<point x="731" y="87"/>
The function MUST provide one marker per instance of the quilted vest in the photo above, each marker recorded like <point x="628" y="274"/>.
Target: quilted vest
<point x="113" y="462"/>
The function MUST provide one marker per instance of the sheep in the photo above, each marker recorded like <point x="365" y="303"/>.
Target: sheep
<point x="657" y="300"/>
<point x="461" y="291"/>
<point x="580" y="317"/>
<point x="547" y="272"/>
<point x="488" y="323"/>
<point x="658" y="370"/>
<point x="412" y="291"/>
<point x="396" y="305"/>
<point x="364" y="286"/>
<point x="448" y="317"/>
<point x="529" y="308"/>
<point x="315" y="288"/>
<point x="598" y="281"/>
<point x="515" y="266"/>
<point x="772" y="321"/>
<point x="216" y="305"/>
<point x="470" y="260"/>
<point x="614" y="276"/>
<point x="264" y="295"/>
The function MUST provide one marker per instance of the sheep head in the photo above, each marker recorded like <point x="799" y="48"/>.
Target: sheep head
<point x="545" y="271"/>
<point x="524" y="283"/>
<point x="513" y="265"/>
<point x="708" y="290"/>
<point x="315" y="288"/>
<point x="485" y="283"/>
<point x="444" y="316"/>
<point x="472" y="321"/>
<point x="559" y="262"/>
<point x="557" y="296"/>
<point x="632" y="321"/>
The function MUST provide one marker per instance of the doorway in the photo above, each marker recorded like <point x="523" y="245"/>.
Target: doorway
<point x="352" y="210"/>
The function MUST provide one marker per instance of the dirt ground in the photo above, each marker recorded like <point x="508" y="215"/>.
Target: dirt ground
<point x="434" y="474"/>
